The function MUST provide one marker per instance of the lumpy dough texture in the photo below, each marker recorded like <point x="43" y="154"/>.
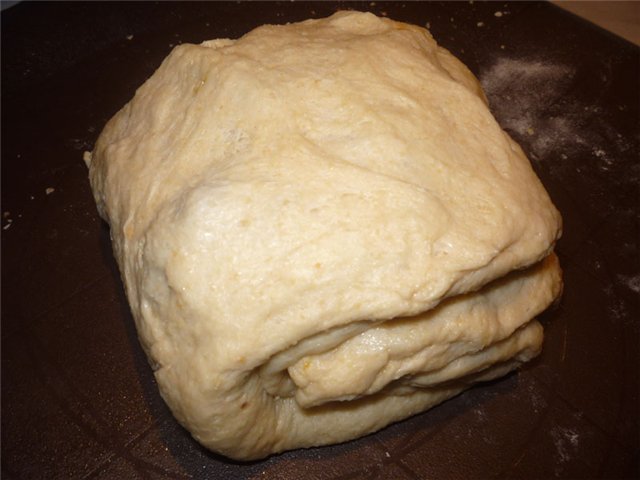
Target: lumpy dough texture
<point x="322" y="230"/>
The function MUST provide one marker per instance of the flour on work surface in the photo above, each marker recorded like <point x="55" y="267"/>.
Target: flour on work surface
<point x="566" y="128"/>
<point x="534" y="99"/>
<point x="566" y="442"/>
<point x="521" y="92"/>
<point x="631" y="281"/>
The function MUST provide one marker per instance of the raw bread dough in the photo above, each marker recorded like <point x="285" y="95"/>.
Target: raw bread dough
<point x="316" y="226"/>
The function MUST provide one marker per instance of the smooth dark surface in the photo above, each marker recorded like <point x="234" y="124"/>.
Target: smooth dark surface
<point x="78" y="399"/>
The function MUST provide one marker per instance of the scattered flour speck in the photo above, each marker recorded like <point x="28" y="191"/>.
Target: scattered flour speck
<point x="566" y="442"/>
<point x="538" y="401"/>
<point x="480" y="414"/>
<point x="631" y="281"/>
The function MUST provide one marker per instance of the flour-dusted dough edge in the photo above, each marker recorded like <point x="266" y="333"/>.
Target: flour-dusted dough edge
<point x="300" y="179"/>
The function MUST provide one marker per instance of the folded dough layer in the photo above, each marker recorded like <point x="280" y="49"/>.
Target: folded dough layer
<point x="463" y="335"/>
<point x="315" y="226"/>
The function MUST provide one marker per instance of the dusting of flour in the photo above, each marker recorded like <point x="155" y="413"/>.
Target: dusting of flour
<point x="632" y="282"/>
<point x="562" y="116"/>
<point x="522" y="93"/>
<point x="567" y="442"/>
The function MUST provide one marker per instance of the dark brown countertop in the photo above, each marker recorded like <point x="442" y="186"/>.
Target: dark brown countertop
<point x="78" y="398"/>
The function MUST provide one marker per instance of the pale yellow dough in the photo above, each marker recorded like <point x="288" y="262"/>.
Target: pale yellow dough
<point x="316" y="226"/>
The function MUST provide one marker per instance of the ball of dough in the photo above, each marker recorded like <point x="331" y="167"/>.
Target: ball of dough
<point x="322" y="230"/>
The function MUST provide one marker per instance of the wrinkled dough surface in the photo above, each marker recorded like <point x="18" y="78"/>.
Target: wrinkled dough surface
<point x="304" y="198"/>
